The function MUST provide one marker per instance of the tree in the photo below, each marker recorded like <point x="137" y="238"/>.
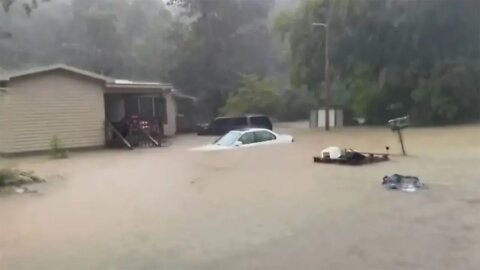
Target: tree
<point x="103" y="39"/>
<point x="364" y="91"/>
<point x="156" y="45"/>
<point x="385" y="49"/>
<point x="261" y="96"/>
<point x="122" y="38"/>
<point x="28" y="6"/>
<point x="296" y="104"/>
<point x="227" y="38"/>
<point x="36" y="40"/>
<point x="450" y="94"/>
<point x="256" y="96"/>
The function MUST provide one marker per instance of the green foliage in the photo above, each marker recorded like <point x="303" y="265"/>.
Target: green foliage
<point x="13" y="177"/>
<point x="226" y="38"/>
<point x="27" y="5"/>
<point x="296" y="104"/>
<point x="256" y="96"/>
<point x="282" y="24"/>
<point x="395" y="57"/>
<point x="260" y="96"/>
<point x="452" y="93"/>
<point x="131" y="39"/>
<point x="102" y="33"/>
<point x="307" y="44"/>
<point x="57" y="149"/>
<point x="388" y="57"/>
<point x="5" y="176"/>
<point x="364" y="92"/>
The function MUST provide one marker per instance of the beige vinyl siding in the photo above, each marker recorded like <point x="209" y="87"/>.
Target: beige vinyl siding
<point x="57" y="103"/>
<point x="3" y="127"/>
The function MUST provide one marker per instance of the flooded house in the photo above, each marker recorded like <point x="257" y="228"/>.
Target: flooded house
<point x="81" y="108"/>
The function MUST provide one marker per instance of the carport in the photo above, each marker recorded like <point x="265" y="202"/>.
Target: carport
<point x="149" y="103"/>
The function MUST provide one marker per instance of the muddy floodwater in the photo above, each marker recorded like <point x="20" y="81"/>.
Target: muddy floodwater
<point x="257" y="208"/>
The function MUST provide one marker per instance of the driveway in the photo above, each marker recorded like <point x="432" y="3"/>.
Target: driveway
<point x="258" y="208"/>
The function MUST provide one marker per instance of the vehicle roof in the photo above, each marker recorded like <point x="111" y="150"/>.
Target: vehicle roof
<point x="242" y="116"/>
<point x="244" y="130"/>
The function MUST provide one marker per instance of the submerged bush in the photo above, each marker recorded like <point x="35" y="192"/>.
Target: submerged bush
<point x="57" y="149"/>
<point x="13" y="177"/>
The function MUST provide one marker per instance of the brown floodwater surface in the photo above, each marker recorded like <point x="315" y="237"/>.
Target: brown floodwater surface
<point x="256" y="208"/>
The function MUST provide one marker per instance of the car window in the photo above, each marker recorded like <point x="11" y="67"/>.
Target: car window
<point x="238" y="121"/>
<point x="247" y="138"/>
<point x="264" y="136"/>
<point x="218" y="123"/>
<point x="229" y="139"/>
<point x="260" y="121"/>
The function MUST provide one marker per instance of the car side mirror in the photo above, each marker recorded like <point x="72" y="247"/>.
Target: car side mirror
<point x="238" y="143"/>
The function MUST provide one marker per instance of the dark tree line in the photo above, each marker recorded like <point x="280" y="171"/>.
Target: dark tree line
<point x="392" y="57"/>
<point x="204" y="47"/>
<point x="389" y="57"/>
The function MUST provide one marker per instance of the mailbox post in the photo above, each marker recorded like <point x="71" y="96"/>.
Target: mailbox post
<point x="399" y="124"/>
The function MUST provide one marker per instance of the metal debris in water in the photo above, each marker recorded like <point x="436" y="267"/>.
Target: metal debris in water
<point x="403" y="183"/>
<point x="24" y="190"/>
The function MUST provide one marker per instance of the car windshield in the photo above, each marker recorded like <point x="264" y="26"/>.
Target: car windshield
<point x="229" y="139"/>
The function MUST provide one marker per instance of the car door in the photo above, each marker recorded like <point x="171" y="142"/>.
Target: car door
<point x="264" y="137"/>
<point x="261" y="122"/>
<point x="238" y="123"/>
<point x="247" y="139"/>
<point x="218" y="127"/>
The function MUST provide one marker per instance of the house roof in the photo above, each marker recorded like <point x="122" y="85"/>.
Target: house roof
<point x="109" y="82"/>
<point x="32" y="71"/>
<point x="181" y="95"/>
<point x="115" y="83"/>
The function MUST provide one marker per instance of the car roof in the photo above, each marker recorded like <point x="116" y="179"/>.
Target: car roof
<point x="241" y="116"/>
<point x="244" y="130"/>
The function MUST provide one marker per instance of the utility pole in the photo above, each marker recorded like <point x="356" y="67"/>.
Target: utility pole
<point x="327" y="65"/>
<point x="327" y="68"/>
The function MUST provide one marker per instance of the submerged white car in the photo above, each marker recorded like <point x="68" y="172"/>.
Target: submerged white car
<point x="246" y="138"/>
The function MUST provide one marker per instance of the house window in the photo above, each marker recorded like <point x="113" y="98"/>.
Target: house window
<point x="147" y="106"/>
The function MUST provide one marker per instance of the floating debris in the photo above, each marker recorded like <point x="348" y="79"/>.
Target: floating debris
<point x="403" y="183"/>
<point x="335" y="154"/>
<point x="13" y="177"/>
<point x="23" y="190"/>
<point x="15" y="181"/>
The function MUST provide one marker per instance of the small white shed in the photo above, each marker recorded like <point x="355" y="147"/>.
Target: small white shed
<point x="318" y="118"/>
